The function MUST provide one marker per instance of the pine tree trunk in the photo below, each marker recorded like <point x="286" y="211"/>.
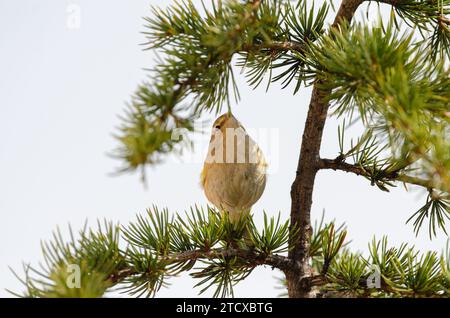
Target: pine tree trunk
<point x="308" y="165"/>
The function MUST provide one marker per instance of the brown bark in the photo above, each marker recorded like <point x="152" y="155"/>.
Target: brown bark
<point x="298" y="282"/>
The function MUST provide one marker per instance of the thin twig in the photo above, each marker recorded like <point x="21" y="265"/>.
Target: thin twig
<point x="335" y="164"/>
<point x="275" y="46"/>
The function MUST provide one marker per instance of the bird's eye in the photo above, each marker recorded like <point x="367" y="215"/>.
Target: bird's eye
<point x="217" y="127"/>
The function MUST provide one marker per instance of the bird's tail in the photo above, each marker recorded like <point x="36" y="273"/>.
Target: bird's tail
<point x="239" y="224"/>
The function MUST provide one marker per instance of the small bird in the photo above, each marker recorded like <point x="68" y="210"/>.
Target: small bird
<point x="234" y="173"/>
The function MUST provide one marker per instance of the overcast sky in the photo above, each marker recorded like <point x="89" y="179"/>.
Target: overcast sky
<point x="64" y="81"/>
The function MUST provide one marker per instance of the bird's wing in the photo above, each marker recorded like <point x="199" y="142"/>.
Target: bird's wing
<point x="203" y="177"/>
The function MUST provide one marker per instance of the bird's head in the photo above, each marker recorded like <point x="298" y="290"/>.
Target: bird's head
<point x="224" y="127"/>
<point x="225" y="121"/>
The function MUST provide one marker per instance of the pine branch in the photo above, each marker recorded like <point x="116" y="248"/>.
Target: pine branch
<point x="251" y="258"/>
<point x="395" y="88"/>
<point x="436" y="209"/>
<point x="338" y="164"/>
<point x="159" y="246"/>
<point x="144" y="270"/>
<point x="431" y="19"/>
<point x="420" y="12"/>
<point x="386" y="52"/>
<point x="196" y="54"/>
<point x="388" y="272"/>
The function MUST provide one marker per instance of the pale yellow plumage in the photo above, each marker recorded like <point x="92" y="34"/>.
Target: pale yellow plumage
<point x="233" y="177"/>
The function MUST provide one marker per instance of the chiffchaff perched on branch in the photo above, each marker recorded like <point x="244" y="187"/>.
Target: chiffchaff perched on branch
<point x="234" y="172"/>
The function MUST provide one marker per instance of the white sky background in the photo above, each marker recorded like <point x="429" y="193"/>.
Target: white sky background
<point x="60" y="93"/>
